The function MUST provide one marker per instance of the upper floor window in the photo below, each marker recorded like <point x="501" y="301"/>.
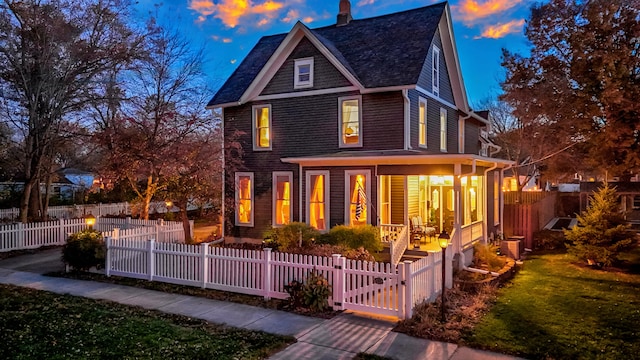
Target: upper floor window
<point x="282" y="208"/>
<point x="435" y="57"/>
<point x="244" y="198"/>
<point x="303" y="77"/>
<point x="422" y="122"/>
<point x="262" y="127"/>
<point x="443" y="129"/>
<point x="350" y="118"/>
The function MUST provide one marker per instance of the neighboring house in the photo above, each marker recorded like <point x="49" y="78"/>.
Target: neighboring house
<point x="629" y="192"/>
<point x="68" y="182"/>
<point x="362" y="122"/>
<point x="510" y="183"/>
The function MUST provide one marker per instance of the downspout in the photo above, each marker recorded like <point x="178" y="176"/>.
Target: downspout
<point x="502" y="198"/>
<point x="407" y="119"/>
<point x="300" y="193"/>
<point x="222" y="206"/>
<point x="485" y="226"/>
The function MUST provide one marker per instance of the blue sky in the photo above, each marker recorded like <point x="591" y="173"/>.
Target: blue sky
<point x="230" y="28"/>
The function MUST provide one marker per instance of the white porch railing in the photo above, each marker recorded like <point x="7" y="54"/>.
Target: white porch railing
<point x="397" y="236"/>
<point x="470" y="234"/>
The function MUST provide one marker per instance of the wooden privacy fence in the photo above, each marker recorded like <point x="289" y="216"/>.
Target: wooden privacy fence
<point x="34" y="235"/>
<point x="525" y="219"/>
<point x="378" y="288"/>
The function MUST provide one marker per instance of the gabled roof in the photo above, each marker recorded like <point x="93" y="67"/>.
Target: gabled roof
<point x="378" y="52"/>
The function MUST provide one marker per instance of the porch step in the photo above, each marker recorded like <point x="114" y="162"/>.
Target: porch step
<point x="413" y="255"/>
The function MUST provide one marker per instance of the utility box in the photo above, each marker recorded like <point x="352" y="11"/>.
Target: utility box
<point x="512" y="247"/>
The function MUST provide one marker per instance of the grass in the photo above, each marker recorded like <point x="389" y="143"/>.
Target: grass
<point x="557" y="309"/>
<point x="42" y="325"/>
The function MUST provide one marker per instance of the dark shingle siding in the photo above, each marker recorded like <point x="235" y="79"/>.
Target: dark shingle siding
<point x="471" y="138"/>
<point x="426" y="76"/>
<point x="383" y="121"/>
<point x="325" y="74"/>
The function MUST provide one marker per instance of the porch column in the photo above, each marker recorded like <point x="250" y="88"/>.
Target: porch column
<point x="457" y="214"/>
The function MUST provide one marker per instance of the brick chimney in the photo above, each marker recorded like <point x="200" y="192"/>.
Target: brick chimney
<point x="344" y="15"/>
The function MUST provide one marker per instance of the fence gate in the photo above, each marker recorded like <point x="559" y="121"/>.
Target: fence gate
<point x="370" y="287"/>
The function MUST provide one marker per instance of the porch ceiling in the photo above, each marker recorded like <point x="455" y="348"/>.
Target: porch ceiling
<point x="400" y="157"/>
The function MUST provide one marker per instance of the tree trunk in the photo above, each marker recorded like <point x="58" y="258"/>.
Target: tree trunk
<point x="185" y="223"/>
<point x="35" y="210"/>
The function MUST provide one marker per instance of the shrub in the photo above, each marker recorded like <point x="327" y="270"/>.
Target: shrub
<point x="602" y="232"/>
<point x="486" y="255"/>
<point x="287" y="238"/>
<point x="316" y="291"/>
<point x="549" y="239"/>
<point x="294" y="289"/>
<point x="84" y="249"/>
<point x="367" y="237"/>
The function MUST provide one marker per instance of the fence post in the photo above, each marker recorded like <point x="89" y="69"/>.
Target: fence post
<point x="449" y="269"/>
<point x="408" y="290"/>
<point x="204" y="247"/>
<point x="107" y="260"/>
<point x="339" y="264"/>
<point x="431" y="265"/>
<point x="21" y="235"/>
<point x="266" y="279"/>
<point x="150" y="259"/>
<point x="61" y="233"/>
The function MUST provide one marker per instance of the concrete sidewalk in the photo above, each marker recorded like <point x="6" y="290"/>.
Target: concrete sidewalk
<point x="339" y="338"/>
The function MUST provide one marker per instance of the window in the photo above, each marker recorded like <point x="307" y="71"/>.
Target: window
<point x="244" y="199"/>
<point x="385" y="199"/>
<point x="443" y="130"/>
<point x="282" y="209"/>
<point x="350" y="118"/>
<point x="303" y="77"/>
<point x="318" y="199"/>
<point x="422" y="122"/>
<point x="262" y="127"/>
<point x="435" y="57"/>
<point x="357" y="200"/>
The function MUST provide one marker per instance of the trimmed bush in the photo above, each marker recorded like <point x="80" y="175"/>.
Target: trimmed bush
<point x="84" y="250"/>
<point x="367" y="237"/>
<point x="549" y="239"/>
<point x="316" y="291"/>
<point x="287" y="238"/>
<point x="486" y="256"/>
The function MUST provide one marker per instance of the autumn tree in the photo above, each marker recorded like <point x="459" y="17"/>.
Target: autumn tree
<point x="52" y="53"/>
<point x="164" y="107"/>
<point x="581" y="80"/>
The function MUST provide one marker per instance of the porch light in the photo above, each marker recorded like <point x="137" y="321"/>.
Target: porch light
<point x="443" y="241"/>
<point x="168" y="204"/>
<point x="90" y="220"/>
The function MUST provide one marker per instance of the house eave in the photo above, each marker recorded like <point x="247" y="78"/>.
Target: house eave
<point x="419" y="159"/>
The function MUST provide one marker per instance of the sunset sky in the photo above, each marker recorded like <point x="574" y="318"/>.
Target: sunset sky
<point x="230" y="28"/>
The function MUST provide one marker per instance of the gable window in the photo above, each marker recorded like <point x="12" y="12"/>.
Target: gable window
<point x="443" y="130"/>
<point x="282" y="209"/>
<point x="350" y="117"/>
<point x="244" y="198"/>
<point x="318" y="199"/>
<point x="435" y="80"/>
<point x="262" y="127"/>
<point x="303" y="76"/>
<point x="422" y="122"/>
<point x="357" y="189"/>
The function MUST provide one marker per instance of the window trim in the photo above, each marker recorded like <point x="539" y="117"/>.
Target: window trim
<point x="327" y="195"/>
<point x="435" y="71"/>
<point x="342" y="99"/>
<point x="424" y="122"/>
<point x="443" y="129"/>
<point x="297" y="84"/>
<point x="347" y="193"/>
<point x="274" y="186"/>
<point x="237" y="198"/>
<point x="254" y="127"/>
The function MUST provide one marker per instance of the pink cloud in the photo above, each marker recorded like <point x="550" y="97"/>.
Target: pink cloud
<point x="501" y="30"/>
<point x="231" y="11"/>
<point x="472" y="10"/>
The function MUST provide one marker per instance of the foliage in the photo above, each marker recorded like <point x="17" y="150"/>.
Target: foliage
<point x="354" y="237"/>
<point x="84" y="249"/>
<point x="549" y="239"/>
<point x="463" y="311"/>
<point x="313" y="294"/>
<point x="555" y="309"/>
<point x="43" y="325"/>
<point x="486" y="256"/>
<point x="586" y="103"/>
<point x="602" y="232"/>
<point x="287" y="238"/>
<point x="328" y="250"/>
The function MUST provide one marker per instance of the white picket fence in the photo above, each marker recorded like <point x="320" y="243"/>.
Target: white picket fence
<point x="34" y="235"/>
<point x="378" y="288"/>
<point x="397" y="236"/>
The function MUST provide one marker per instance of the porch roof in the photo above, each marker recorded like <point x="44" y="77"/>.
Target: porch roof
<point x="395" y="157"/>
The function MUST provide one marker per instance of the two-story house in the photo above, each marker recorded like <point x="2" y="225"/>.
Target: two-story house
<point x="362" y="122"/>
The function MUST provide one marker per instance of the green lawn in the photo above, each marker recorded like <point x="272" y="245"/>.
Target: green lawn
<point x="42" y="325"/>
<point x="559" y="310"/>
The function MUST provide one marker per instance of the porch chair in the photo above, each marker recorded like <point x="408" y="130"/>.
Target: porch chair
<point x="418" y="228"/>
